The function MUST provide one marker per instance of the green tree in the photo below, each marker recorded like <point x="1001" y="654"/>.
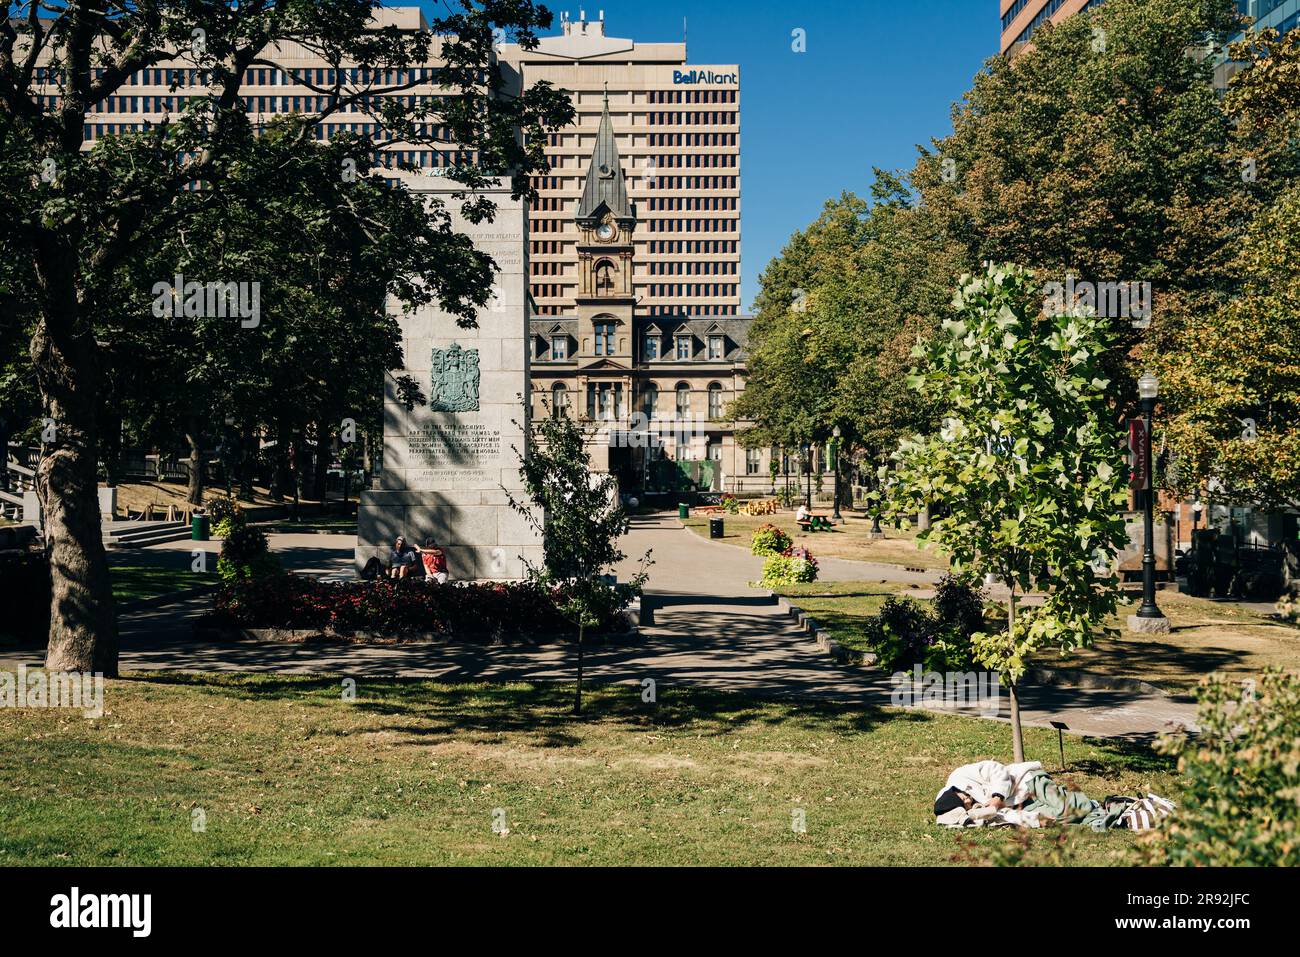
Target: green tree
<point x="838" y="312"/>
<point x="1232" y="388"/>
<point x="580" y="519"/>
<point x="1104" y="152"/>
<point x="1028" y="465"/>
<point x="78" y="216"/>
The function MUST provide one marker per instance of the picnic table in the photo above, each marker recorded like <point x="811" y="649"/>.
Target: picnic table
<point x="816" y="522"/>
<point x="710" y="509"/>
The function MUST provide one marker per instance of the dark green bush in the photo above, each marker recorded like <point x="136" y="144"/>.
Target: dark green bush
<point x="905" y="634"/>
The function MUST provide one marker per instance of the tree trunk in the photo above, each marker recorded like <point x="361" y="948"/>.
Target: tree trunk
<point x="923" y="519"/>
<point x="577" y="698"/>
<point x="1017" y="735"/>
<point x="281" y="479"/>
<point x="195" y="465"/>
<point x="247" y="463"/>
<point x="83" y="630"/>
<point x="321" y="474"/>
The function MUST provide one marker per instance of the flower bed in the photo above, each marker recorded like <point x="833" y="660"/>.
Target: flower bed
<point x="769" y="540"/>
<point x="793" y="566"/>
<point x="470" y="611"/>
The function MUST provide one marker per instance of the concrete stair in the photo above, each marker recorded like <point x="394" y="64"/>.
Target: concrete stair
<point x="139" y="534"/>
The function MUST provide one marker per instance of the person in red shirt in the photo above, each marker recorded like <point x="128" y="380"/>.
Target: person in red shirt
<point x="435" y="561"/>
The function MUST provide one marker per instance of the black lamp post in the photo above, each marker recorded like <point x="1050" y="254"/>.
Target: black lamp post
<point x="1148" y="390"/>
<point x="835" y="463"/>
<point x="807" y="468"/>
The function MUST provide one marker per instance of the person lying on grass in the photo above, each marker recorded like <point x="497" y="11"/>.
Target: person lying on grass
<point x="990" y="793"/>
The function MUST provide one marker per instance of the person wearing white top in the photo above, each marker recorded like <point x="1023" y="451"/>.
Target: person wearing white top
<point x="988" y="784"/>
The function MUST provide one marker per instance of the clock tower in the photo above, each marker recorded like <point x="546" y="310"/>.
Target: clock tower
<point x="605" y="302"/>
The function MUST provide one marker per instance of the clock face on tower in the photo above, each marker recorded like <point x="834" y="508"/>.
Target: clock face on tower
<point x="605" y="232"/>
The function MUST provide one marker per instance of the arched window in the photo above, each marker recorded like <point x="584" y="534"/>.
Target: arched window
<point x="559" y="400"/>
<point x="649" y="399"/>
<point x="604" y="278"/>
<point x="715" y="400"/>
<point x="683" y="400"/>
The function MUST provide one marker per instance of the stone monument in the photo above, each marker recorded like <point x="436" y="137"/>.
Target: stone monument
<point x="446" y="465"/>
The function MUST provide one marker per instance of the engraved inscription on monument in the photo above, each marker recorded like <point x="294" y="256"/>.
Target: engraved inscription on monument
<point x="453" y="380"/>
<point x="452" y="452"/>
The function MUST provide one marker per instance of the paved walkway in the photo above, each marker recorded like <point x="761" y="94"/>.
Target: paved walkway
<point x="711" y="630"/>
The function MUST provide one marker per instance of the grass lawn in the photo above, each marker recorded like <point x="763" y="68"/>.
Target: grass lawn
<point x="1207" y="636"/>
<point x="412" y="772"/>
<point x="842" y="607"/>
<point x="338" y="524"/>
<point x="845" y="541"/>
<point x="133" y="582"/>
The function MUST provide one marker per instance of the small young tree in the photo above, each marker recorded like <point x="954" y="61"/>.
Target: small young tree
<point x="581" y="520"/>
<point x="1028" y="466"/>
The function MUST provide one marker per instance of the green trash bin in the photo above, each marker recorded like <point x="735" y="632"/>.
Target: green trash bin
<point x="683" y="511"/>
<point x="199" y="528"/>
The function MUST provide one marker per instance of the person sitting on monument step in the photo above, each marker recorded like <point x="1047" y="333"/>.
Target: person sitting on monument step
<point x="435" y="561"/>
<point x="402" y="561"/>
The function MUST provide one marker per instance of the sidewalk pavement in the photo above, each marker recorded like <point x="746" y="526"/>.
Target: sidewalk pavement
<point x="711" y="630"/>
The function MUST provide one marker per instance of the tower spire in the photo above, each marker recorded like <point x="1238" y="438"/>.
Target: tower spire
<point x="606" y="187"/>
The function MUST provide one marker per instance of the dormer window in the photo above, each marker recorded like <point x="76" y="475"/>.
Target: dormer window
<point x="559" y="347"/>
<point x="683" y="347"/>
<point x="650" y="349"/>
<point x="716" y="347"/>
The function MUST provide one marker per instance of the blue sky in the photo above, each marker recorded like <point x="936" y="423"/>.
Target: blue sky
<point x="878" y="77"/>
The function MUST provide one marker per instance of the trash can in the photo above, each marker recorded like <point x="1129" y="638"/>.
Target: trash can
<point x="683" y="511"/>
<point x="715" y="528"/>
<point x="199" y="528"/>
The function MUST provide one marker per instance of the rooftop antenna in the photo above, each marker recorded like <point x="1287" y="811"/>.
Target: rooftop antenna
<point x="688" y="56"/>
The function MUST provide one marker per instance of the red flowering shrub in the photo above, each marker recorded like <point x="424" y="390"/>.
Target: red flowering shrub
<point x="470" y="610"/>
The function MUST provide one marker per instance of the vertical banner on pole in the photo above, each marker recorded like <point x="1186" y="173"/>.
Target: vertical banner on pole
<point x="1137" y="445"/>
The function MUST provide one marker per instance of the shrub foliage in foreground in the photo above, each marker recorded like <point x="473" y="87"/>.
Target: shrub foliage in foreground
<point x="1240" y="776"/>
<point x="393" y="608"/>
